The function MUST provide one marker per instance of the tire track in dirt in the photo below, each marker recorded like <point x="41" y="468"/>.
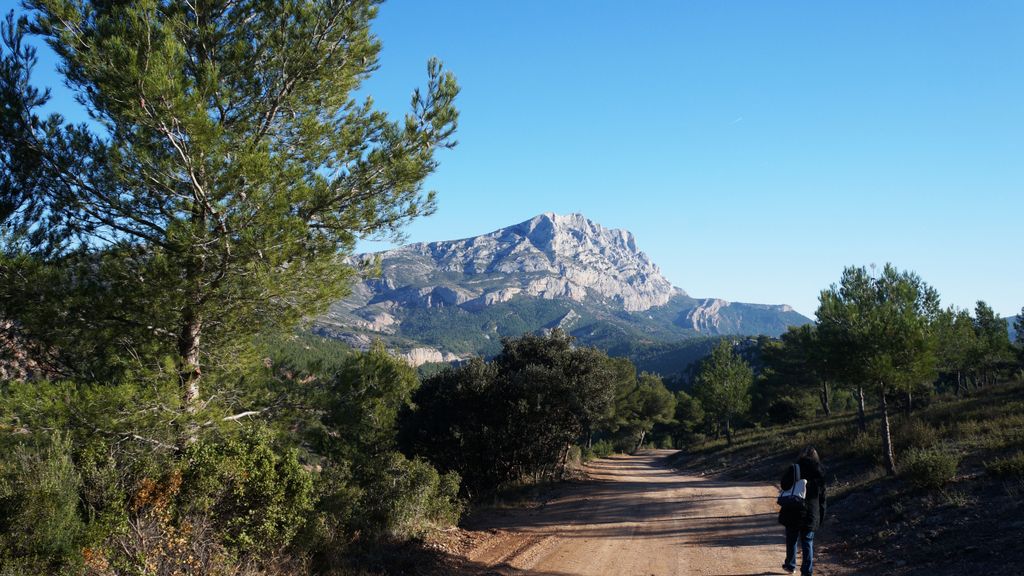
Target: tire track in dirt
<point x="510" y="548"/>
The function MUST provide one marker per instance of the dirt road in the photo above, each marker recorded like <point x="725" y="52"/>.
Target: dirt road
<point x="638" y="517"/>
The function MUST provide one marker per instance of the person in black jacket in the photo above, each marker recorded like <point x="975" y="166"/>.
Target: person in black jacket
<point x="802" y="521"/>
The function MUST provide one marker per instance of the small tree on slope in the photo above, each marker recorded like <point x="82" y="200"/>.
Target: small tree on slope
<point x="880" y="331"/>
<point x="723" y="386"/>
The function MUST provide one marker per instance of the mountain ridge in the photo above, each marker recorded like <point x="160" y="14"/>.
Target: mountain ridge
<point x="451" y="299"/>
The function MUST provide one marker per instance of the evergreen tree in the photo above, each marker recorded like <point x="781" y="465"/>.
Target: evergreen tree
<point x="1018" y="327"/>
<point x="956" y="344"/>
<point x="883" y="328"/>
<point x="723" y="386"/>
<point x="227" y="172"/>
<point x="689" y="417"/>
<point x="647" y="404"/>
<point x="794" y="362"/>
<point x="993" y="337"/>
<point x="514" y="418"/>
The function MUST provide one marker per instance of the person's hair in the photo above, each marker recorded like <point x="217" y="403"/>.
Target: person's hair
<point x="810" y="453"/>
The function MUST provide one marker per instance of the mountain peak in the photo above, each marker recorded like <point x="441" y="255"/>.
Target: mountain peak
<point x="566" y="236"/>
<point x="550" y="256"/>
<point x="460" y="296"/>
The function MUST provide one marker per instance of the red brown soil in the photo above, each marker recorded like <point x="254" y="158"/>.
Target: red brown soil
<point x="634" y="515"/>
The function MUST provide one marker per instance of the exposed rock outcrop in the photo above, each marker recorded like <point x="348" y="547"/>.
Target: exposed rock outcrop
<point x="420" y="356"/>
<point x="549" y="256"/>
<point x="442" y="301"/>
<point x="706" y="316"/>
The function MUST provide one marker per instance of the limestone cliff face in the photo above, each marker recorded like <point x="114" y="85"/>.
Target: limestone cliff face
<point x="706" y="316"/>
<point x="549" y="256"/>
<point x="420" y="356"/>
<point x="439" y="301"/>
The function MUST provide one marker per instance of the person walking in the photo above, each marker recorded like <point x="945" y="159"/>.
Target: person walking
<point x="803" y="520"/>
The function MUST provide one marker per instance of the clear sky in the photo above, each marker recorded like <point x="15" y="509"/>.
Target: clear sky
<point x="754" y="148"/>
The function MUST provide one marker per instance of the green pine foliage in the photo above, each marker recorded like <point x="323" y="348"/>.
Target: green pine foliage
<point x="723" y="386"/>
<point x="156" y="262"/>
<point x="305" y="352"/>
<point x="228" y="171"/>
<point x="878" y="333"/>
<point x="646" y="404"/>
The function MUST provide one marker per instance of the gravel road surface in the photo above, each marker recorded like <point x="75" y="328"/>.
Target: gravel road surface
<point x="635" y="516"/>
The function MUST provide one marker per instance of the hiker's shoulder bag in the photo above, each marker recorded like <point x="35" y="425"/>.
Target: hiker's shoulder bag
<point x="797" y="493"/>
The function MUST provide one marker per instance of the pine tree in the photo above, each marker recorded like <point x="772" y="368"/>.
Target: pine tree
<point x="723" y="386"/>
<point x="226" y="174"/>
<point x="956" y="344"/>
<point x="879" y="334"/>
<point x="993" y="338"/>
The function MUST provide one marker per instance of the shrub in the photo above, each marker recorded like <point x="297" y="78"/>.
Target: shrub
<point x="39" y="496"/>
<point x="257" y="495"/>
<point x="1009" y="466"/>
<point x="930" y="467"/>
<point x="914" y="433"/>
<point x="600" y="449"/>
<point x="862" y="445"/>
<point x="787" y="410"/>
<point x="406" y="498"/>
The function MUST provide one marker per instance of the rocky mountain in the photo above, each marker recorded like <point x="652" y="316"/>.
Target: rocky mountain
<point x="441" y="301"/>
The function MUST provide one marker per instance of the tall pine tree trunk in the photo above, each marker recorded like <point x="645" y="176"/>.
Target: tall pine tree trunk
<point x="643" y="434"/>
<point x="728" y="432"/>
<point x="890" y="456"/>
<point x="189" y="371"/>
<point x="862" y="420"/>
<point x="825" y="404"/>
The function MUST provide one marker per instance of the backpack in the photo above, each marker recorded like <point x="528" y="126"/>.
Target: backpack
<point x="796" y="494"/>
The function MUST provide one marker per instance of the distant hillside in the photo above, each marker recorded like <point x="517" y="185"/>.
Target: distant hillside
<point x="1013" y="331"/>
<point x="443" y="301"/>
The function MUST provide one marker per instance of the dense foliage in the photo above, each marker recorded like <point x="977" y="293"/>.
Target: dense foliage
<point x="881" y="339"/>
<point x="226" y="173"/>
<point x="153" y="262"/>
<point x="515" y="418"/>
<point x="723" y="387"/>
<point x="156" y="262"/>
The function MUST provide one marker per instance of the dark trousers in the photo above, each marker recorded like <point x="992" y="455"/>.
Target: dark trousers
<point x="806" y="540"/>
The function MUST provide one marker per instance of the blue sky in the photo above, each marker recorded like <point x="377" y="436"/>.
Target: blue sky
<point x="754" y="148"/>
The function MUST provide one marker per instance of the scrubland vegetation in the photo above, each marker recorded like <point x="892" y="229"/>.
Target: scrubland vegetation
<point x="350" y="453"/>
<point x="917" y="411"/>
<point x="883" y="347"/>
<point x="160" y="416"/>
<point x="954" y="505"/>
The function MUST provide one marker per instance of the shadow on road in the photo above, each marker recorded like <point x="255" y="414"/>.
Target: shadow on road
<point x="627" y="498"/>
